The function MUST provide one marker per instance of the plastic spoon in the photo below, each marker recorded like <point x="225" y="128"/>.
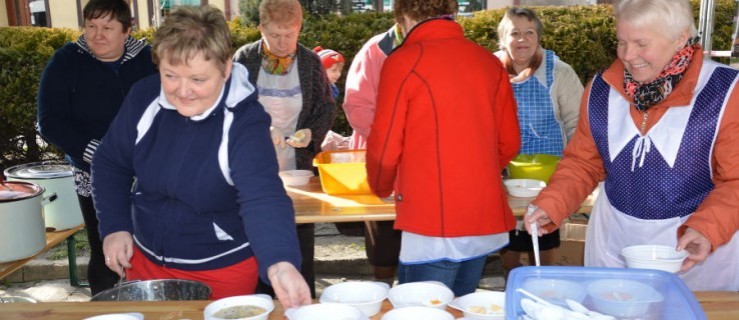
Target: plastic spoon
<point x="534" y="233"/>
<point x="576" y="306"/>
<point x="533" y="297"/>
<point x="579" y="308"/>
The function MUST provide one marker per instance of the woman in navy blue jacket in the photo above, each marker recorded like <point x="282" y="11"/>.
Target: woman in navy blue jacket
<point x="80" y="92"/>
<point x="207" y="204"/>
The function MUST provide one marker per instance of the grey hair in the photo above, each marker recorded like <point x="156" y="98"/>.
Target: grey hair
<point x="506" y="24"/>
<point x="675" y="16"/>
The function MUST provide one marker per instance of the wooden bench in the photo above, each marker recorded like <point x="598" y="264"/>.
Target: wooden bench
<point x="53" y="238"/>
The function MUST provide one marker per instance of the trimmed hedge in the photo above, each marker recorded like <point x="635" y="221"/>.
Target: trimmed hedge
<point x="582" y="36"/>
<point x="24" y="52"/>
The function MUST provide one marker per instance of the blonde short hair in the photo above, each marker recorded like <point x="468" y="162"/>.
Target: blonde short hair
<point x="188" y="31"/>
<point x="286" y="13"/>
<point x="674" y="16"/>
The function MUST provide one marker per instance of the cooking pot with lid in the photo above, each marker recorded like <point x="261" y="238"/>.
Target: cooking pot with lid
<point x="156" y="290"/>
<point x="55" y="177"/>
<point x="22" y="231"/>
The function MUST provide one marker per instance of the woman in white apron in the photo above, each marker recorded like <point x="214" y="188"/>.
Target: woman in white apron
<point x="659" y="128"/>
<point x="295" y="91"/>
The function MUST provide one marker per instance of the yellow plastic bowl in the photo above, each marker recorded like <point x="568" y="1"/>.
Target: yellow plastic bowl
<point x="533" y="166"/>
<point x="342" y="172"/>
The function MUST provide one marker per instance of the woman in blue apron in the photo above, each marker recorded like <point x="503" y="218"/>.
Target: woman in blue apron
<point x="548" y="94"/>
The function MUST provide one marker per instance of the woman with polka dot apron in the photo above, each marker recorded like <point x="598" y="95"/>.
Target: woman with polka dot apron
<point x="658" y="132"/>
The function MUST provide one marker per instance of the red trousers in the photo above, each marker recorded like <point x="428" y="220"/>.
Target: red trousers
<point x="234" y="280"/>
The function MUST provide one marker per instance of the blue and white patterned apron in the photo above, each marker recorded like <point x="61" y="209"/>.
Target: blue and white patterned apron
<point x="655" y="181"/>
<point x="540" y="130"/>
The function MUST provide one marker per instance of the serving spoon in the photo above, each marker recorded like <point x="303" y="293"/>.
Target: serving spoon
<point x="534" y="233"/>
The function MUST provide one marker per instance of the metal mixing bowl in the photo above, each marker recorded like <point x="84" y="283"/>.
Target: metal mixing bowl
<point x="156" y="290"/>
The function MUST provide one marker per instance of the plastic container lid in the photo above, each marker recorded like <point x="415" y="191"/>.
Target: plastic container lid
<point x="40" y="170"/>
<point x="678" y="303"/>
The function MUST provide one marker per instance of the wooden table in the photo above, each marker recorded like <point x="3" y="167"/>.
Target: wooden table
<point x="313" y="205"/>
<point x="53" y="238"/>
<point x="718" y="305"/>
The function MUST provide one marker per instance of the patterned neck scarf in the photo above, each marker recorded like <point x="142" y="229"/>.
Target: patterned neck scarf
<point x="646" y="95"/>
<point x="273" y="64"/>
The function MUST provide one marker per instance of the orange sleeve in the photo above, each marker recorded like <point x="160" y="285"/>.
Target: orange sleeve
<point x="717" y="217"/>
<point x="577" y="174"/>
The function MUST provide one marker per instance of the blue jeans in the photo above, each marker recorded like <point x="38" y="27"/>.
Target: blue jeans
<point x="462" y="277"/>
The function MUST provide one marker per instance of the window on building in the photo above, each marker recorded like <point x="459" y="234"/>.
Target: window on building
<point x="167" y="5"/>
<point x="38" y="13"/>
<point x="27" y="13"/>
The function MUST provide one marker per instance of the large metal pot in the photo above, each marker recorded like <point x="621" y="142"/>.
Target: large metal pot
<point x="156" y="290"/>
<point x="22" y="232"/>
<point x="55" y="177"/>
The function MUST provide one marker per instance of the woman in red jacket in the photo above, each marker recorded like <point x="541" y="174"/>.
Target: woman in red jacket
<point x="444" y="128"/>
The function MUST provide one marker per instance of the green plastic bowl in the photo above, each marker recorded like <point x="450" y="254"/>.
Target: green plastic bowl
<point x="533" y="166"/>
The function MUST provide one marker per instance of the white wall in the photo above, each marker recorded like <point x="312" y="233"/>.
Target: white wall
<point x="64" y="14"/>
<point x="142" y="14"/>
<point x="496" y="4"/>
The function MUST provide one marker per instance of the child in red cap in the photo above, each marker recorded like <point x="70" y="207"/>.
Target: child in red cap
<point x="333" y="62"/>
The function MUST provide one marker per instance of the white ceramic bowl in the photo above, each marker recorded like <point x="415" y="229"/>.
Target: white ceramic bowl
<point x="524" y="188"/>
<point x="425" y="313"/>
<point x="481" y="305"/>
<point x="295" y="177"/>
<point x="622" y="298"/>
<point x="260" y="300"/>
<point x="424" y="293"/>
<point x="366" y="296"/>
<point x="556" y="291"/>
<point x="656" y="257"/>
<point x="325" y="311"/>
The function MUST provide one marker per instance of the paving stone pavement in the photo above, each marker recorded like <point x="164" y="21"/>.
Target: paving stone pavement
<point x="338" y="258"/>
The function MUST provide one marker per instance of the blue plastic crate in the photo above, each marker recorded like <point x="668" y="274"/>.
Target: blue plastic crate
<point x="678" y="301"/>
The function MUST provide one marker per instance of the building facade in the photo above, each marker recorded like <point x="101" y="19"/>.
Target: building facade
<point x="68" y="13"/>
<point x="148" y="13"/>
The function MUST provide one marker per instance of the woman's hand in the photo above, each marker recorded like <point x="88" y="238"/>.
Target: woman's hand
<point x="697" y="246"/>
<point x="118" y="249"/>
<point x="300" y="139"/>
<point x="541" y="218"/>
<point x="289" y="285"/>
<point x="278" y="137"/>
